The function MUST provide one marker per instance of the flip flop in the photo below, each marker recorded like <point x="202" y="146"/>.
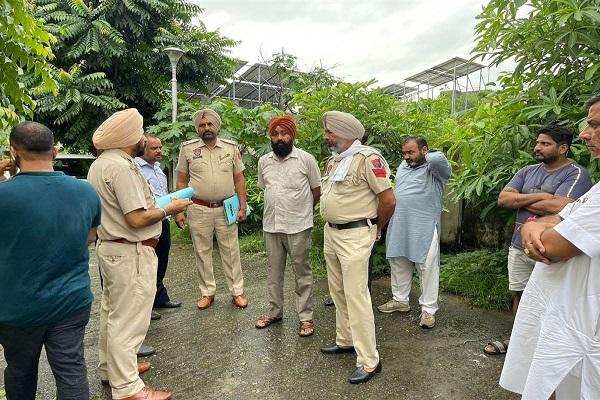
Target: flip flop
<point x="499" y="348"/>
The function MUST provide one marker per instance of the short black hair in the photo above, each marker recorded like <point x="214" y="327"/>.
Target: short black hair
<point x="32" y="137"/>
<point x="419" y="139"/>
<point x="593" y="100"/>
<point x="559" y="134"/>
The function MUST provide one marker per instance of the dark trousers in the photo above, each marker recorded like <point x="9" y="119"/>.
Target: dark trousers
<point x="63" y="341"/>
<point x="162" y="252"/>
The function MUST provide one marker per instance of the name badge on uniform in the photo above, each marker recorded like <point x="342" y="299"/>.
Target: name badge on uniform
<point x="197" y="153"/>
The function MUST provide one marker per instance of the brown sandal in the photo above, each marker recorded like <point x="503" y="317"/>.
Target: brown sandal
<point x="265" y="321"/>
<point x="306" y="328"/>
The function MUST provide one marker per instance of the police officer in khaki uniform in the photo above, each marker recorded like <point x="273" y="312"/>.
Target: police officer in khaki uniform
<point x="213" y="168"/>
<point x="127" y="235"/>
<point x="356" y="202"/>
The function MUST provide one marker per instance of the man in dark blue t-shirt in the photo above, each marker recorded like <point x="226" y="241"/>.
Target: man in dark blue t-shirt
<point x="48" y="220"/>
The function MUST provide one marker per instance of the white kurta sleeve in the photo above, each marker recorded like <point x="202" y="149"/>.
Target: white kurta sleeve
<point x="581" y="224"/>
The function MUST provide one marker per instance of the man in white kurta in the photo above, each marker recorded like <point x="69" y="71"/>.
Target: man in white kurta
<point x="555" y="343"/>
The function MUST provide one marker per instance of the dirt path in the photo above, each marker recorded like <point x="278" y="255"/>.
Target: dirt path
<point x="218" y="354"/>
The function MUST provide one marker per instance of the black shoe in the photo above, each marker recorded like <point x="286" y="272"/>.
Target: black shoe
<point x="154" y="316"/>
<point x="168" y="304"/>
<point x="361" y="376"/>
<point x="335" y="349"/>
<point x="145" y="351"/>
<point x="328" y="302"/>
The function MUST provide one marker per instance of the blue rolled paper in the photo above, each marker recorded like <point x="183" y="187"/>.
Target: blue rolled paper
<point x="180" y="194"/>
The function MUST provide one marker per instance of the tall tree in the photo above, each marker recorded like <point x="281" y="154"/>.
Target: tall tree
<point x="123" y="39"/>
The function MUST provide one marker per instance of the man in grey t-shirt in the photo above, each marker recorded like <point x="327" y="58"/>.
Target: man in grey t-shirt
<point x="534" y="191"/>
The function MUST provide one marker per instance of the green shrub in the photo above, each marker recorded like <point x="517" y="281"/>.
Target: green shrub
<point x="252" y="242"/>
<point x="179" y="235"/>
<point x="481" y="277"/>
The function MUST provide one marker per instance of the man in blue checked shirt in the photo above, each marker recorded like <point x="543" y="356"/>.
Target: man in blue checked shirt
<point x="150" y="167"/>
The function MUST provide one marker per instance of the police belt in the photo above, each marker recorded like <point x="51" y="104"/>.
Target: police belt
<point x="354" y="224"/>
<point x="209" y="204"/>
<point x="147" y="242"/>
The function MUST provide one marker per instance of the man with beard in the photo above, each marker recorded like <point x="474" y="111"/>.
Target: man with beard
<point x="554" y="344"/>
<point x="413" y="233"/>
<point x="357" y="201"/>
<point x="127" y="235"/>
<point x="537" y="190"/>
<point x="291" y="180"/>
<point x="213" y="168"/>
<point x="149" y="164"/>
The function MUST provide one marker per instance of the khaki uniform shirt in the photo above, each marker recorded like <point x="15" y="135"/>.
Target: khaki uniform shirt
<point x="354" y="198"/>
<point x="122" y="188"/>
<point x="288" y="204"/>
<point x="210" y="170"/>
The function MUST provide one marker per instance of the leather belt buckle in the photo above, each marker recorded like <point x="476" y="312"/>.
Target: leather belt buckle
<point x="214" y="204"/>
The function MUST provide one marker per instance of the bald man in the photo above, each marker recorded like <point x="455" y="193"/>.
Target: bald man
<point x="213" y="168"/>
<point x="356" y="203"/>
<point x="291" y="180"/>
<point x="127" y="235"/>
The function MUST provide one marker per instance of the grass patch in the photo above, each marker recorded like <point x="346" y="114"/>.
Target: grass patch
<point x="252" y="243"/>
<point x="180" y="235"/>
<point x="481" y="277"/>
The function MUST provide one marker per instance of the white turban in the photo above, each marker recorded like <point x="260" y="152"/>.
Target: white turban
<point x="122" y="129"/>
<point x="343" y="124"/>
<point x="209" y="114"/>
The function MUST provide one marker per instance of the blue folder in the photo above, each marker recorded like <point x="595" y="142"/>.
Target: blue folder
<point x="180" y="194"/>
<point x="232" y="207"/>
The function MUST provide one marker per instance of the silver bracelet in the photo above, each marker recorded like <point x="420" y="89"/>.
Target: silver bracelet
<point x="164" y="212"/>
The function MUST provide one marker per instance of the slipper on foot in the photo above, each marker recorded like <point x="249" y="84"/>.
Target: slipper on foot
<point x="496" y="348"/>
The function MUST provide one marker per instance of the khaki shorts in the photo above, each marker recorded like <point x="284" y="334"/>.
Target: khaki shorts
<point x="520" y="268"/>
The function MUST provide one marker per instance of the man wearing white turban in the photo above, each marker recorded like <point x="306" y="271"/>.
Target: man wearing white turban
<point x="213" y="168"/>
<point x="128" y="232"/>
<point x="356" y="203"/>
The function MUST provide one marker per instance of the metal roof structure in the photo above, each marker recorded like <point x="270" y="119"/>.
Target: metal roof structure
<point x="399" y="91"/>
<point x="456" y="71"/>
<point x="445" y="72"/>
<point x="256" y="85"/>
<point x="259" y="83"/>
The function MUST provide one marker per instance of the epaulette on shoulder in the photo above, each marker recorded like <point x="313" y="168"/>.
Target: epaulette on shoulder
<point x="229" y="141"/>
<point x="190" y="141"/>
<point x="368" y="152"/>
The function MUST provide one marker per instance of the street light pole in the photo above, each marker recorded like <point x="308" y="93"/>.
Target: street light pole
<point x="174" y="54"/>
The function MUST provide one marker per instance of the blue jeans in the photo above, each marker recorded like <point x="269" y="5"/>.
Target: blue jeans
<point x="63" y="341"/>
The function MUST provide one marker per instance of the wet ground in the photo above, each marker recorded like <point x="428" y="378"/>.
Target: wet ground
<point x="218" y="354"/>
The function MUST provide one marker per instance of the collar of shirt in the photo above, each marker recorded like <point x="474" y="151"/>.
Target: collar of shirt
<point x="141" y="162"/>
<point x="218" y="143"/>
<point x="118" y="152"/>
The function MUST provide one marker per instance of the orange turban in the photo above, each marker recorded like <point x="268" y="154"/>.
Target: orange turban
<point x="285" y="122"/>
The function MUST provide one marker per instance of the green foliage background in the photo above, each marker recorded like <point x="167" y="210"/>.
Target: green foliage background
<point x="75" y="62"/>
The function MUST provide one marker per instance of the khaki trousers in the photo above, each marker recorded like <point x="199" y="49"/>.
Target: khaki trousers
<point x="204" y="222"/>
<point x="297" y="245"/>
<point x="347" y="254"/>
<point x="129" y="285"/>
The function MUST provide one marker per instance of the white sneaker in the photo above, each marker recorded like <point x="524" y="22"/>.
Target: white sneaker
<point x="427" y="320"/>
<point x="392" y="306"/>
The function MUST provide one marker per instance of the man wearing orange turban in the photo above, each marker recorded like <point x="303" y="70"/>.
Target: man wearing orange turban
<point x="291" y="180"/>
